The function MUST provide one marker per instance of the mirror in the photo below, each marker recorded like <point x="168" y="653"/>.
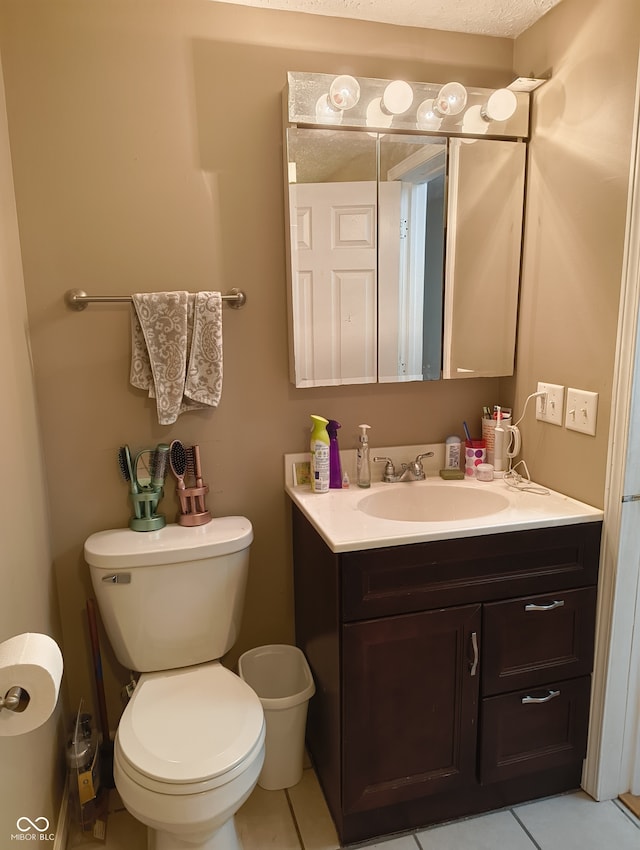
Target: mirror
<point x="486" y="203"/>
<point x="142" y="468"/>
<point x="333" y="256"/>
<point x="368" y="294"/>
<point x="411" y="222"/>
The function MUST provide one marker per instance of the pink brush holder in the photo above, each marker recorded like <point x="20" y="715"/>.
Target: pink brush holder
<point x="193" y="508"/>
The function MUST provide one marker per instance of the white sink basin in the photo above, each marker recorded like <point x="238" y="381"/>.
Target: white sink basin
<point x="432" y="502"/>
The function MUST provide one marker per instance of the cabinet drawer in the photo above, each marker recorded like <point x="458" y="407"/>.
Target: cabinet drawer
<point x="537" y="639"/>
<point x="401" y="579"/>
<point x="533" y="730"/>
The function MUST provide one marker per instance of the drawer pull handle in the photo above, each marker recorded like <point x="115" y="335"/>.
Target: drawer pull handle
<point x="535" y="700"/>
<point x="474" y="645"/>
<point x="533" y="607"/>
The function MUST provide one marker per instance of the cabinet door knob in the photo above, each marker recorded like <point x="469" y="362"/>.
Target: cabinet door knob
<point x="558" y="603"/>
<point x="535" y="700"/>
<point x="474" y="646"/>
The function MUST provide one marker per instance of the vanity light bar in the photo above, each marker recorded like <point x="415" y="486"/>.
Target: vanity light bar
<point x="375" y="104"/>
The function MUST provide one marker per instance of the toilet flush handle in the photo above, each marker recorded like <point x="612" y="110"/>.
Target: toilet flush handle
<point x="118" y="578"/>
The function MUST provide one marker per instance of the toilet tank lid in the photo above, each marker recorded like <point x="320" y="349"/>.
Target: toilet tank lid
<point x="171" y="544"/>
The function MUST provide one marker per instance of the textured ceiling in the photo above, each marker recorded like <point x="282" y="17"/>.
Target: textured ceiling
<point x="507" y="18"/>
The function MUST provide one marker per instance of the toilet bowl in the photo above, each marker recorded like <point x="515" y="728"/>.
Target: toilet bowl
<point x="188" y="752"/>
<point x="190" y="744"/>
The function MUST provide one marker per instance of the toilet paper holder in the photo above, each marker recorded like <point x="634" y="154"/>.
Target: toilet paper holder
<point x="16" y="699"/>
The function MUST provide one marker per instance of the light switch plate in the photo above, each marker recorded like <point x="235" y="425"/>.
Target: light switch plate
<point x="550" y="409"/>
<point x="582" y="411"/>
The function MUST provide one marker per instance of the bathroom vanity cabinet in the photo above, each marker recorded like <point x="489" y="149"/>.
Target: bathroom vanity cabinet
<point x="452" y="677"/>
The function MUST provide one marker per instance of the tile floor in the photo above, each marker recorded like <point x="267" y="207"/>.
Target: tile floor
<point x="297" y="819"/>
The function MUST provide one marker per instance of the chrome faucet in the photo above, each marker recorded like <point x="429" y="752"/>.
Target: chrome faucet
<point x="413" y="471"/>
<point x="389" y="475"/>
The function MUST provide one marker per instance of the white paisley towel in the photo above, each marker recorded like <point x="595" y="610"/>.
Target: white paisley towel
<point x="176" y="350"/>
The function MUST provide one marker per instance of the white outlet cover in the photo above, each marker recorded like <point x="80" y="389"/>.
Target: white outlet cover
<point x="550" y="409"/>
<point x="582" y="411"/>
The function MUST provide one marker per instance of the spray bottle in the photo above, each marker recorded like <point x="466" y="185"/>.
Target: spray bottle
<point x="319" y="454"/>
<point x="363" y="465"/>
<point x="335" y="467"/>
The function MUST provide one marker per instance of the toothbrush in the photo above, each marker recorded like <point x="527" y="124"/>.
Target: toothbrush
<point x="467" y="433"/>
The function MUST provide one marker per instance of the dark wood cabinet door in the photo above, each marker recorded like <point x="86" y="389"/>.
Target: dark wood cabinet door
<point x="410" y="706"/>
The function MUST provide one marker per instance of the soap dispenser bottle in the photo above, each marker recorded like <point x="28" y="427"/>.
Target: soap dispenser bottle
<point x="363" y="467"/>
<point x="319" y="454"/>
<point x="335" y="467"/>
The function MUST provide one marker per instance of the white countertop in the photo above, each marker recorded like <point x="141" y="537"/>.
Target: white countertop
<point x="345" y="528"/>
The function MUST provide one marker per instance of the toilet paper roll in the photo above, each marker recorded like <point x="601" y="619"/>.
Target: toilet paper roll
<point x="32" y="662"/>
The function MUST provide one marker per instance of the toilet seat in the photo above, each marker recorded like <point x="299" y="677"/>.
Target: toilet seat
<point x="189" y="730"/>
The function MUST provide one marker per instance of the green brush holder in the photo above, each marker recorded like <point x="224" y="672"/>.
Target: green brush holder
<point x="146" y="518"/>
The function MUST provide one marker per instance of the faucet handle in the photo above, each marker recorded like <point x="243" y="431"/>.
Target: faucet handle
<point x="426" y="454"/>
<point x="389" y="470"/>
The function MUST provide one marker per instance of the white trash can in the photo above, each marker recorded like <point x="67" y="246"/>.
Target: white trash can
<point x="280" y="676"/>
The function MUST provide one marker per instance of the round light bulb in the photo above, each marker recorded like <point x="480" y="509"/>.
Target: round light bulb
<point x="500" y="106"/>
<point x="344" y="92"/>
<point x="473" y="121"/>
<point x="397" y="97"/>
<point x="375" y="116"/>
<point x="426" y="116"/>
<point x="452" y="99"/>
<point x="325" y="113"/>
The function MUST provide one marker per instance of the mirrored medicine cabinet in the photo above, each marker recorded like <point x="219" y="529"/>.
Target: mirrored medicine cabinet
<point x="403" y="253"/>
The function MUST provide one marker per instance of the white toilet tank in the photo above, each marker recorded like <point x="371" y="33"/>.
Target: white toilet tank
<point x="173" y="597"/>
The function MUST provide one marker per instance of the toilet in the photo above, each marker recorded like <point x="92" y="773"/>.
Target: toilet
<point x="190" y="743"/>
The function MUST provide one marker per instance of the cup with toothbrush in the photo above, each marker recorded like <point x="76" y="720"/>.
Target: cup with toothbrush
<point x="475" y="452"/>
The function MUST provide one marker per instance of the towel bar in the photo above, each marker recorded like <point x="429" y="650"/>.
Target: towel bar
<point x="77" y="299"/>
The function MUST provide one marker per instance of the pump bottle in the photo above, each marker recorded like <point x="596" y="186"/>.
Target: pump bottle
<point x="363" y="468"/>
<point x="319" y="447"/>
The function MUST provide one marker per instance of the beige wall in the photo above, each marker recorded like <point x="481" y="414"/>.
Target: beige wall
<point x="31" y="765"/>
<point x="147" y="154"/>
<point x="146" y="145"/>
<point x="575" y="219"/>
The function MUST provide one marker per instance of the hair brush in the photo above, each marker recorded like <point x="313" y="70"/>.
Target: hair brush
<point x="178" y="462"/>
<point x="158" y="466"/>
<point x="126" y="469"/>
<point x="194" y="469"/>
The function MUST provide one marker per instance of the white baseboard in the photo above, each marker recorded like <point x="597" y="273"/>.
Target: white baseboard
<point x="62" y="827"/>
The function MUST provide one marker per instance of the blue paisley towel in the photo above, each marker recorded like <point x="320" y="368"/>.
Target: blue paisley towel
<point x="176" y="350"/>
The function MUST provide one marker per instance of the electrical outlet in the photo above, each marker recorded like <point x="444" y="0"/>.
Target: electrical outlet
<point x="582" y="411"/>
<point x="550" y="409"/>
